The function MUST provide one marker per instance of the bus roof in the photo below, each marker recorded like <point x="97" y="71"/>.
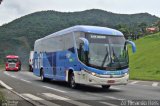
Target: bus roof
<point x="12" y="56"/>
<point x="87" y="29"/>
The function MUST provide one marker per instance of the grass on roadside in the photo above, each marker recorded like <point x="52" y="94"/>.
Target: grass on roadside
<point x="145" y="63"/>
<point x="1" y="96"/>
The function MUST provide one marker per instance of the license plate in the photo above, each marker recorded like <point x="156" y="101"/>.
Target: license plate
<point x="111" y="81"/>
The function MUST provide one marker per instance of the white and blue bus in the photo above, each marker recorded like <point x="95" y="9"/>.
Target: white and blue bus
<point x="83" y="54"/>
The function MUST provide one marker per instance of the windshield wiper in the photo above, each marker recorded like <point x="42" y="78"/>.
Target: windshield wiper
<point x="126" y="52"/>
<point x="104" y="60"/>
<point x="116" y="58"/>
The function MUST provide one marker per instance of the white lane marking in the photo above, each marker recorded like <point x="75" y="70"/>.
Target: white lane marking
<point x="66" y="99"/>
<point x="43" y="101"/>
<point x="134" y="82"/>
<point x="54" y="89"/>
<point x="24" y="97"/>
<point x="6" y="73"/>
<point x="155" y="84"/>
<point x="55" y="96"/>
<point x="111" y="97"/>
<point x="25" y="81"/>
<point x="108" y="104"/>
<point x="4" y="85"/>
<point x="16" y="77"/>
<point x="30" y="96"/>
<point x="10" y="75"/>
<point x="13" y="76"/>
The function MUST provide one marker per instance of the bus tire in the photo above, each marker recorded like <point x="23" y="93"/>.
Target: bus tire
<point x="42" y="76"/>
<point x="72" y="83"/>
<point x="106" y="86"/>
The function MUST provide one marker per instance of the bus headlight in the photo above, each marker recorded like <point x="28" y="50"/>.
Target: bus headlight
<point x="125" y="74"/>
<point x="94" y="74"/>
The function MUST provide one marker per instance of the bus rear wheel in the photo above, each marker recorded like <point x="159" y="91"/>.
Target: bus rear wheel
<point x="72" y="83"/>
<point x="106" y="86"/>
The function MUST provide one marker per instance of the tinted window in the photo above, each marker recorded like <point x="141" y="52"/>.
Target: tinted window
<point x="12" y="60"/>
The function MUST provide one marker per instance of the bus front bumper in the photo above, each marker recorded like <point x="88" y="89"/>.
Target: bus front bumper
<point x="105" y="79"/>
<point x="12" y="69"/>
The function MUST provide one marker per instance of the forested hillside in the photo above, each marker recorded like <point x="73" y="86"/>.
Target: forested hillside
<point x="18" y="36"/>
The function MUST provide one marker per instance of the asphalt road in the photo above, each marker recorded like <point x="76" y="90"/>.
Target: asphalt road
<point x="55" y="93"/>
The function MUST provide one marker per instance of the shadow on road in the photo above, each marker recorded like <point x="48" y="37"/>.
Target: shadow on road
<point x="84" y="88"/>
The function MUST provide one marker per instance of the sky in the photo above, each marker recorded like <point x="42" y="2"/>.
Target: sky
<point x="12" y="9"/>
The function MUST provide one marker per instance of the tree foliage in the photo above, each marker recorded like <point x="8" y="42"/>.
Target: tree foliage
<point x="158" y="24"/>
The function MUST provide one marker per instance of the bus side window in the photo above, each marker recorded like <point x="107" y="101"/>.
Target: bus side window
<point x="69" y="45"/>
<point x="81" y="53"/>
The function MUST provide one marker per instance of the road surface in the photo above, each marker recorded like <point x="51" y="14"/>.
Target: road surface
<point x="55" y="93"/>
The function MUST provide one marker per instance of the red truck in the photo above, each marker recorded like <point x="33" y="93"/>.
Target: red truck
<point x="13" y="63"/>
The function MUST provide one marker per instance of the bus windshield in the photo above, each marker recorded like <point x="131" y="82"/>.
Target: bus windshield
<point x="10" y="60"/>
<point x="107" y="52"/>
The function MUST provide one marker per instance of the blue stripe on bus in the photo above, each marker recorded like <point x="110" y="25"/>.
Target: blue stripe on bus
<point x="55" y="65"/>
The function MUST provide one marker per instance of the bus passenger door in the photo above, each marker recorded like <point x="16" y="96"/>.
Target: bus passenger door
<point x="54" y="65"/>
<point x="36" y="69"/>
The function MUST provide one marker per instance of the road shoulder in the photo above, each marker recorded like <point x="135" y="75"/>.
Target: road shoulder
<point x="8" y="98"/>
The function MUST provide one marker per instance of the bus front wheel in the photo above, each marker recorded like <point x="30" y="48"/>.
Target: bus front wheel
<point x="106" y="86"/>
<point x="72" y="81"/>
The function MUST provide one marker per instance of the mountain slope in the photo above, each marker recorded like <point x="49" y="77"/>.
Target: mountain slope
<point x="145" y="63"/>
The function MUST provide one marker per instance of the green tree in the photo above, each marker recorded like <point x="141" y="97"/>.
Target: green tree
<point x="142" y="26"/>
<point x="158" y="24"/>
<point x="124" y="29"/>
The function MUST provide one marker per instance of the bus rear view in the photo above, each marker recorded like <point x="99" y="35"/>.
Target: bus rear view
<point x="82" y="54"/>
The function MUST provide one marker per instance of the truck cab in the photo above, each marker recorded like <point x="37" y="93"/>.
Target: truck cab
<point x="13" y="63"/>
<point x="31" y="61"/>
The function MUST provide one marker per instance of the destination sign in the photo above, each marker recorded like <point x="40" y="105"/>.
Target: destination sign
<point x="98" y="37"/>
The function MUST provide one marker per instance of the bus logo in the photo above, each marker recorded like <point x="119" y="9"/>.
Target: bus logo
<point x="68" y="55"/>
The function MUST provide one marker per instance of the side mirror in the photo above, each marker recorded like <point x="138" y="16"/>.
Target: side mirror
<point x="86" y="44"/>
<point x="132" y="44"/>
